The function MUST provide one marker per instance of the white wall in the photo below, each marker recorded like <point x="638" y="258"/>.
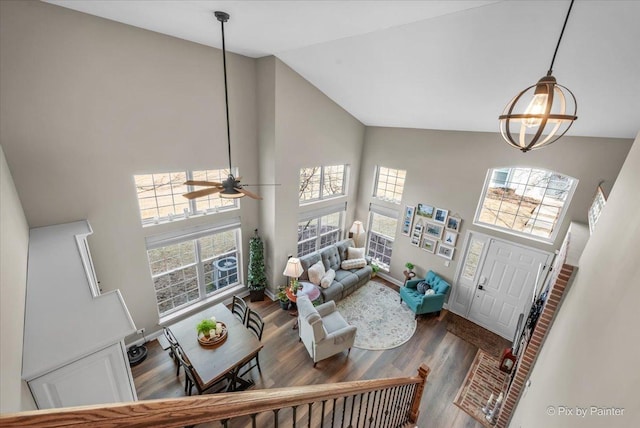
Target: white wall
<point x="14" y="246"/>
<point x="447" y="169"/>
<point x="590" y="357"/>
<point x="308" y="130"/>
<point x="266" y="74"/>
<point x="87" y="103"/>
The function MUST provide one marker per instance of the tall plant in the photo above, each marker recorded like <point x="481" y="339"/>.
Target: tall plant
<point x="257" y="278"/>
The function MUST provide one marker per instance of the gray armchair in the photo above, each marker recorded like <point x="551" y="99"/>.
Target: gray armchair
<point x="323" y="330"/>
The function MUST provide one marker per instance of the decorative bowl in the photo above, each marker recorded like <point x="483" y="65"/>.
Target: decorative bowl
<point x="214" y="340"/>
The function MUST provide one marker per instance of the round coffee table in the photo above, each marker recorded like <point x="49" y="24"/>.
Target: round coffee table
<point x="304" y="289"/>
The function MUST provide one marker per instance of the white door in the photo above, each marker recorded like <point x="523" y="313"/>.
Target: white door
<point x="505" y="285"/>
<point x="99" y="378"/>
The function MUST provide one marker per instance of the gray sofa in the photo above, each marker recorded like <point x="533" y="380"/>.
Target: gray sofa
<point x="346" y="281"/>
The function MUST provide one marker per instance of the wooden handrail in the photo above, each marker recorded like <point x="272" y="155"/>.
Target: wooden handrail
<point x="178" y="412"/>
<point x="414" y="411"/>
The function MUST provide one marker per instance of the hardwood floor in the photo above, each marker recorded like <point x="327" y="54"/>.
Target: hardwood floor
<point x="285" y="362"/>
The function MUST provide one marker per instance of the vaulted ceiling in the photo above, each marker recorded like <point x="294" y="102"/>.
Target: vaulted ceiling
<point x="425" y="64"/>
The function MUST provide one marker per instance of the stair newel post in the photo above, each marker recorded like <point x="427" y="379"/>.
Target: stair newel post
<point x="414" y="411"/>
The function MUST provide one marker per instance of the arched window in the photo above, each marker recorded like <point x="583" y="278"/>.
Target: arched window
<point x="528" y="202"/>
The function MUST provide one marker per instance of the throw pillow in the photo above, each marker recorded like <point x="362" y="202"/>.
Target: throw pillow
<point x="328" y="278"/>
<point x="355" y="253"/>
<point x="316" y="272"/>
<point x="422" y="287"/>
<point x="353" y="264"/>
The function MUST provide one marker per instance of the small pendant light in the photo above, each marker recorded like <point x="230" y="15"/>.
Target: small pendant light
<point x="545" y="118"/>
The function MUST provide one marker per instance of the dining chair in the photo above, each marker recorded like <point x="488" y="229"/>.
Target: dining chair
<point x="256" y="325"/>
<point x="239" y="309"/>
<point x="191" y="376"/>
<point x="173" y="345"/>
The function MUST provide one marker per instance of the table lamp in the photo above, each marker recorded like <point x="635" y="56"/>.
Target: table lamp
<point x="357" y="229"/>
<point x="293" y="270"/>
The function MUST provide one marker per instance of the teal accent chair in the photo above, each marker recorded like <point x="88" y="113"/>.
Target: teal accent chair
<point x="420" y="303"/>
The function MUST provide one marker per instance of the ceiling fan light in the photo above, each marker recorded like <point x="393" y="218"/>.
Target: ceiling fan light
<point x="231" y="194"/>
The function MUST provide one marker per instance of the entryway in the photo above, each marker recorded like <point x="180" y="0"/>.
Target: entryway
<point x="495" y="282"/>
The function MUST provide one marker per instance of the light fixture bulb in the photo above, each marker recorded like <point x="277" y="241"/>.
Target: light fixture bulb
<point x="537" y="106"/>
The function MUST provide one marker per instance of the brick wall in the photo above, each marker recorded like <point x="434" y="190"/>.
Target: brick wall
<point x="532" y="349"/>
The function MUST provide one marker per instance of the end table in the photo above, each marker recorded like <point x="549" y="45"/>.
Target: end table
<point x="304" y="289"/>
<point x="408" y="275"/>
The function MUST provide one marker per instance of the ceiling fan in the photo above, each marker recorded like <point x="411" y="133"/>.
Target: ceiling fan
<point x="231" y="187"/>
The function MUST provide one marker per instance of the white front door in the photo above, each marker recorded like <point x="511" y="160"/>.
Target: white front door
<point x="505" y="285"/>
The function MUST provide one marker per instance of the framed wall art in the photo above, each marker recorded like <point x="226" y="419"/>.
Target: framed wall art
<point x="407" y="219"/>
<point x="416" y="233"/>
<point x="440" y="215"/>
<point x="453" y="224"/>
<point x="434" y="230"/>
<point x="425" y="210"/>
<point x="445" y="251"/>
<point x="450" y="238"/>
<point x="415" y="241"/>
<point x="429" y="245"/>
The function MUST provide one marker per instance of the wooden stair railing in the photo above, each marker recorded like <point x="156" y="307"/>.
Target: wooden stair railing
<point x="386" y="403"/>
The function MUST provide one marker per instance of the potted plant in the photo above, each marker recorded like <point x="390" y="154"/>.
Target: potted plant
<point x="375" y="268"/>
<point x="256" y="278"/>
<point x="409" y="273"/>
<point x="282" y="298"/>
<point x="205" y="326"/>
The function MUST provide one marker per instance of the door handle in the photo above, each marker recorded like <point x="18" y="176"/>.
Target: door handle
<point x="480" y="287"/>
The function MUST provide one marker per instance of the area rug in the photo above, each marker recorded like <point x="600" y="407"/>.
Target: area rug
<point x="483" y="379"/>
<point x="382" y="322"/>
<point x="476" y="335"/>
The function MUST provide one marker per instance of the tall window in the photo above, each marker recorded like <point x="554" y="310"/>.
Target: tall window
<point x="187" y="269"/>
<point x="381" y="235"/>
<point x="525" y="201"/>
<point x="322" y="182"/>
<point x="320" y="231"/>
<point x="599" y="200"/>
<point x="160" y="195"/>
<point x="389" y="184"/>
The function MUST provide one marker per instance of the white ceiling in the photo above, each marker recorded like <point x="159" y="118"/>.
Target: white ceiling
<point x="425" y="64"/>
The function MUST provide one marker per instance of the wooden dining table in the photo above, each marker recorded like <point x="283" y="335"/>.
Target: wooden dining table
<point x="222" y="360"/>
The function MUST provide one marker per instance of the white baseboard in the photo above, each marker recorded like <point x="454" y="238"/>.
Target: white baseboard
<point x="390" y="279"/>
<point x="270" y="294"/>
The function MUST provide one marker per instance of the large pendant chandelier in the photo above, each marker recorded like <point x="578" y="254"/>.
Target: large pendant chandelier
<point x="540" y="114"/>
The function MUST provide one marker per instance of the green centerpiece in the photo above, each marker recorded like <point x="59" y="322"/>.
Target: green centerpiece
<point x="205" y="326"/>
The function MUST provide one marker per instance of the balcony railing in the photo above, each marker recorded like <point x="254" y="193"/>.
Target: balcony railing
<point x="383" y="403"/>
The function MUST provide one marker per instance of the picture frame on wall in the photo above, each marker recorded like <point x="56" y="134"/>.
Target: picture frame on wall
<point x="450" y="238"/>
<point x="429" y="245"/>
<point x="440" y="215"/>
<point x="425" y="210"/>
<point x="434" y="230"/>
<point x="453" y="224"/>
<point x="416" y="234"/>
<point x="445" y="251"/>
<point x="407" y="219"/>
